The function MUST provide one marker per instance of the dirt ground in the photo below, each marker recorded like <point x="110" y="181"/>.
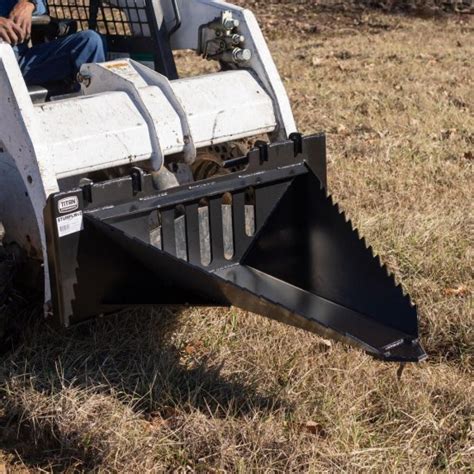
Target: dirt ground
<point x="214" y="390"/>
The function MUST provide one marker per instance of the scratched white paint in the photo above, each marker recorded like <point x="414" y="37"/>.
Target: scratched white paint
<point x="108" y="129"/>
<point x="225" y="106"/>
<point x="21" y="140"/>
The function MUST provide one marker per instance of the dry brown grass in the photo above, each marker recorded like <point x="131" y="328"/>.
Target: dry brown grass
<point x="215" y="389"/>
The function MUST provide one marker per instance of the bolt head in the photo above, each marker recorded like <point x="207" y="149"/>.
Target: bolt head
<point x="242" y="55"/>
<point x="230" y="23"/>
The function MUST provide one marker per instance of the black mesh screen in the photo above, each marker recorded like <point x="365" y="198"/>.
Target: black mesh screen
<point x="131" y="19"/>
<point x="130" y="29"/>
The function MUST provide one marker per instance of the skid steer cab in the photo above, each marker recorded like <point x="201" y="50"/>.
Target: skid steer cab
<point x="144" y="187"/>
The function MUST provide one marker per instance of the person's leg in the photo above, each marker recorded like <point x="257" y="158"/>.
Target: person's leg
<point x="61" y="59"/>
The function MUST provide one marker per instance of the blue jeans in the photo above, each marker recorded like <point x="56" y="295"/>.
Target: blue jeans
<point x="60" y="59"/>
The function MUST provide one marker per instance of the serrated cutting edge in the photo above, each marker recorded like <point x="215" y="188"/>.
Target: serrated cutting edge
<point x="387" y="272"/>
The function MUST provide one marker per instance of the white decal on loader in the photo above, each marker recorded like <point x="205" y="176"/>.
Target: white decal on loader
<point x="68" y="204"/>
<point x="69" y="224"/>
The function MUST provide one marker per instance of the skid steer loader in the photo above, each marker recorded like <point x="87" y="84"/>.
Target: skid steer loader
<point x="136" y="188"/>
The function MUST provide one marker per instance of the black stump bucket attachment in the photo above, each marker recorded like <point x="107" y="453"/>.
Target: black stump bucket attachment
<point x="267" y="239"/>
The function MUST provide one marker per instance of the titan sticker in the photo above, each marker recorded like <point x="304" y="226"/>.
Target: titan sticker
<point x="68" y="204"/>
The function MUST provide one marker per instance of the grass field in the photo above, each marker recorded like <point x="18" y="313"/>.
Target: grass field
<point x="223" y="390"/>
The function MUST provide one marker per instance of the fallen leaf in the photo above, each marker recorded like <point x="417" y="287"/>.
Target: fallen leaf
<point x="325" y="342"/>
<point x="461" y="290"/>
<point x="314" y="428"/>
<point x="170" y="412"/>
<point x="315" y="61"/>
<point x="193" y="347"/>
<point x="469" y="155"/>
<point x="156" y="421"/>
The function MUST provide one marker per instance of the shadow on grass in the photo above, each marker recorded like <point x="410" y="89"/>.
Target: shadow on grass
<point x="136" y="358"/>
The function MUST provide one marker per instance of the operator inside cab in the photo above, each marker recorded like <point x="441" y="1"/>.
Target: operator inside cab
<point x="57" y="60"/>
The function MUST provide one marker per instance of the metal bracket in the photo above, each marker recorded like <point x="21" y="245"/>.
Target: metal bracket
<point x="220" y="40"/>
<point x="126" y="78"/>
<point x="162" y="82"/>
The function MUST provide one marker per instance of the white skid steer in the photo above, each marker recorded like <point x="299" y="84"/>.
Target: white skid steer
<point x="136" y="188"/>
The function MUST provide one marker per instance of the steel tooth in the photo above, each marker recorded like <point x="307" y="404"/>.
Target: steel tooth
<point x="387" y="271"/>
<point x="392" y="277"/>
<point x="349" y="221"/>
<point x="408" y="300"/>
<point x="364" y="242"/>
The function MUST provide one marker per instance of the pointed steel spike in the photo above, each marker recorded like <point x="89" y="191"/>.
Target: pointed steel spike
<point x="385" y="269"/>
<point x="349" y="221"/>
<point x="364" y="242"/>
<point x="409" y="301"/>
